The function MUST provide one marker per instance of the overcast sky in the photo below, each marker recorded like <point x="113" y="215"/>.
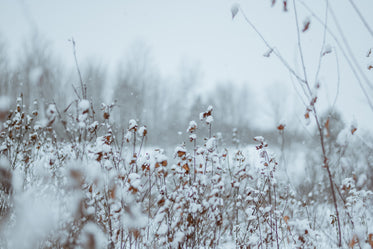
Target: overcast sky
<point x="201" y="34"/>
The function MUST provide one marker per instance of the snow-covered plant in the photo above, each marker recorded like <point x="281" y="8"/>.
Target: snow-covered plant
<point x="207" y="118"/>
<point x="98" y="193"/>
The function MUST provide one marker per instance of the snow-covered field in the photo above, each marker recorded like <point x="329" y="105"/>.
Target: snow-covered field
<point x="94" y="189"/>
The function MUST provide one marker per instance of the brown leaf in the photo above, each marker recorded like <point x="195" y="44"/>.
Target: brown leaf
<point x="146" y="167"/>
<point x="133" y="189"/>
<point x="145" y="131"/>
<point x="161" y="202"/>
<point x="281" y="127"/>
<point x="186" y="167"/>
<point x="112" y="192"/>
<point x="353" y="241"/>
<point x="99" y="156"/>
<point x="370" y="67"/>
<point x="327" y="128"/>
<point x="135" y="232"/>
<point x="180" y="153"/>
<point x="285" y="5"/>
<point x="327" y="51"/>
<point x="108" y="139"/>
<point x="313" y="101"/>
<point x="306" y="25"/>
<point x="353" y="130"/>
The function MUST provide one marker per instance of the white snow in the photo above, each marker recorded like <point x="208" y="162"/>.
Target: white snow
<point x="209" y="120"/>
<point x="134" y="180"/>
<point x="132" y="124"/>
<point x="142" y="131"/>
<point x="192" y="126"/>
<point x="84" y="105"/>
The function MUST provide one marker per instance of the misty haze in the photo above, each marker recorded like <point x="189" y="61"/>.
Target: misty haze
<point x="186" y="124"/>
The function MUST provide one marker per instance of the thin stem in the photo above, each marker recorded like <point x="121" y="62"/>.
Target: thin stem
<point x="338" y="79"/>
<point x="134" y="142"/>
<point x="370" y="85"/>
<point x="275" y="51"/>
<point x="361" y="18"/>
<point x="194" y="159"/>
<point x="83" y="86"/>
<point x="150" y="196"/>
<point x="323" y="42"/>
<point x="301" y="51"/>
<point x="210" y="130"/>
<point x="350" y="63"/>
<point x="260" y="231"/>
<point x="142" y="141"/>
<point x="276" y="226"/>
<point x="326" y="165"/>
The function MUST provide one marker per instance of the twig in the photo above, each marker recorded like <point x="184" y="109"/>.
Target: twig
<point x="344" y="54"/>
<point x="82" y="84"/>
<point x="76" y="92"/>
<point x="301" y="51"/>
<point x="338" y="78"/>
<point x="275" y="51"/>
<point x="323" y="42"/>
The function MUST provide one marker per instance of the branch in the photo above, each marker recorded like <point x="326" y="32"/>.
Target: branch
<point x="301" y="51"/>
<point x="344" y="54"/>
<point x="319" y="127"/>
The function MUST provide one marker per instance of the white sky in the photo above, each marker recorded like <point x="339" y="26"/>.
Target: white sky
<point x="201" y="33"/>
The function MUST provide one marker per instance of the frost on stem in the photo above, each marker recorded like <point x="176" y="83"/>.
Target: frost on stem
<point x="132" y="125"/>
<point x="107" y="109"/>
<point x="192" y="126"/>
<point x="235" y="139"/>
<point x="191" y="129"/>
<point x="209" y="120"/>
<point x="211" y="144"/>
<point x="207" y="117"/>
<point x="128" y="136"/>
<point x="142" y="131"/>
<point x="180" y="151"/>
